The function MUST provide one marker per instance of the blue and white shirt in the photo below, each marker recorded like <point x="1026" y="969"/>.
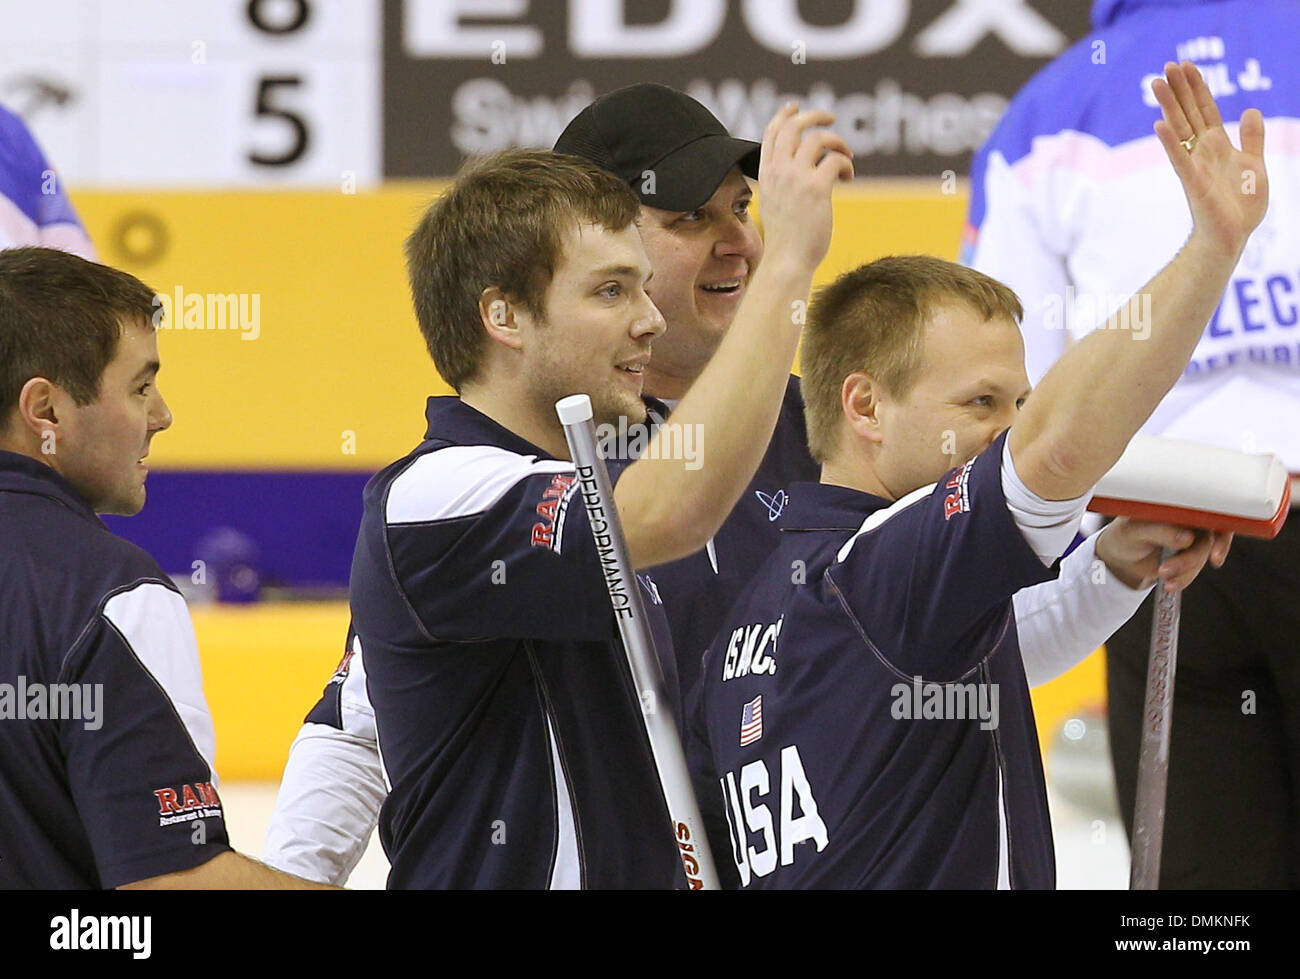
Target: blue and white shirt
<point x="508" y="727"/>
<point x="698" y="589"/>
<point x="333" y="784"/>
<point x="34" y="209"/>
<point x="1074" y="169"/>
<point x="106" y="743"/>
<point x="863" y="719"/>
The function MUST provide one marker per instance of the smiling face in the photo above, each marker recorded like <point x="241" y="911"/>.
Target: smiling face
<point x="702" y="262"/>
<point x="969" y="389"/>
<point x="598" y="323"/>
<point x="100" y="447"/>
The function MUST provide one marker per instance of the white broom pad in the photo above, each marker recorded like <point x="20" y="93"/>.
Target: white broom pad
<point x="1171" y="472"/>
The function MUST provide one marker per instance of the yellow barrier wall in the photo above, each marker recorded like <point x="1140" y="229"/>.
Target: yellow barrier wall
<point x="264" y="667"/>
<point x="337" y="348"/>
<point x="337" y="378"/>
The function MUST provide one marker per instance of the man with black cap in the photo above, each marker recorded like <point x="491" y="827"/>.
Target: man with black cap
<point x="690" y="176"/>
<point x="704" y="255"/>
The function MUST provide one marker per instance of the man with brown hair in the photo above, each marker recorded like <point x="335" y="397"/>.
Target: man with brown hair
<point x="864" y="716"/>
<point x="508" y="729"/>
<point x="106" y="744"/>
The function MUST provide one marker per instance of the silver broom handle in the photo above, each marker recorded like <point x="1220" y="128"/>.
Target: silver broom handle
<point x="625" y="596"/>
<point x="1153" y="760"/>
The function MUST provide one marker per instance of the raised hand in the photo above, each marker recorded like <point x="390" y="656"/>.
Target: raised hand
<point x="1226" y="187"/>
<point x="798" y="167"/>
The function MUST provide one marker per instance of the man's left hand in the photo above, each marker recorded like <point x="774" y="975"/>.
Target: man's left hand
<point x="1131" y="551"/>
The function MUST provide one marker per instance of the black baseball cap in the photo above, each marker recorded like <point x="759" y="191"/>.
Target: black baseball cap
<point x="654" y="128"/>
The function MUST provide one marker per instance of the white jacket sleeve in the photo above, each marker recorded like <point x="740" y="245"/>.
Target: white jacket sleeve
<point x="332" y="790"/>
<point x="1062" y="621"/>
<point x="1019" y="242"/>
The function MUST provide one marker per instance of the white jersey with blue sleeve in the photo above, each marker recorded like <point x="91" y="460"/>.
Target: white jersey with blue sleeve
<point x="34" y="209"/>
<point x="1055" y="190"/>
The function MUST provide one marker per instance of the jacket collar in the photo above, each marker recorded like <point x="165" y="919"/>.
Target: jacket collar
<point x="451" y="420"/>
<point x="821" y="506"/>
<point x="23" y="474"/>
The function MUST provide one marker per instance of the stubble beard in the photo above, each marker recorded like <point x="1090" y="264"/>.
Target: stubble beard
<point x="619" y="404"/>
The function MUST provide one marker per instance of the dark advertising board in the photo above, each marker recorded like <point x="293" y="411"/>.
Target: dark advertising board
<point x="916" y="84"/>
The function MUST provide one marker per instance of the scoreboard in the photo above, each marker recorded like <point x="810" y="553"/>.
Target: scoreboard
<point x="347" y="93"/>
<point x="184" y="93"/>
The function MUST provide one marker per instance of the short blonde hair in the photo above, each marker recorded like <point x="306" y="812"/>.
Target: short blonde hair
<point x="872" y="319"/>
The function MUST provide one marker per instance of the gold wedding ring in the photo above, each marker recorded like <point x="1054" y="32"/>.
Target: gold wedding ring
<point x="1189" y="143"/>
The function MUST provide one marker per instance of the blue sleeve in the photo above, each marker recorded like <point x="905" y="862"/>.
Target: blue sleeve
<point x="708" y="790"/>
<point x="27" y="178"/>
<point x="929" y="580"/>
<point x="143" y="790"/>
<point x="502" y="547"/>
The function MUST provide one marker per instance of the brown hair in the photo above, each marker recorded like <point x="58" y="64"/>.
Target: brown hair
<point x="60" y="318"/>
<point x="501" y="224"/>
<point x="872" y="320"/>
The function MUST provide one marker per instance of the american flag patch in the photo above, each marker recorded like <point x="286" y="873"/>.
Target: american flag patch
<point x="751" y="721"/>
